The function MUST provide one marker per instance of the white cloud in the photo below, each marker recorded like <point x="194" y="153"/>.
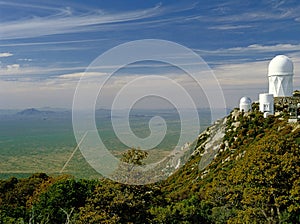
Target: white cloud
<point x="31" y="71"/>
<point x="272" y="13"/>
<point x="13" y="67"/>
<point x="268" y="48"/>
<point x="50" y="42"/>
<point x="253" y="49"/>
<point x="229" y="27"/>
<point x="72" y="75"/>
<point x="78" y="75"/>
<point x="227" y="16"/>
<point x="248" y="73"/>
<point x="248" y="54"/>
<point x="67" y="21"/>
<point x="25" y="59"/>
<point x="5" y="55"/>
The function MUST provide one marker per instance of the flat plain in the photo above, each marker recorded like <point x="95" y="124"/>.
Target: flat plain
<point x="34" y="141"/>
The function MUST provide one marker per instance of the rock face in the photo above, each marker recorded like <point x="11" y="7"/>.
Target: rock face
<point x="213" y="138"/>
<point x="211" y="141"/>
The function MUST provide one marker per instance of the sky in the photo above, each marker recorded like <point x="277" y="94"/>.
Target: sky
<point x="46" y="46"/>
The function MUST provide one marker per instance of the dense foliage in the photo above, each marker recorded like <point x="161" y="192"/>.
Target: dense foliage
<point x="255" y="178"/>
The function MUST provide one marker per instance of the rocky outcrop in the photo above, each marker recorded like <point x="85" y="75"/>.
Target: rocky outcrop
<point x="210" y="145"/>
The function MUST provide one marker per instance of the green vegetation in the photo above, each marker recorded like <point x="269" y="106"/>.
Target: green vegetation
<point x="296" y="93"/>
<point x="255" y="178"/>
<point x="34" y="144"/>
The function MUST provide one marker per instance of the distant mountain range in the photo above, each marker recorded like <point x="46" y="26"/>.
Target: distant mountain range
<point x="33" y="112"/>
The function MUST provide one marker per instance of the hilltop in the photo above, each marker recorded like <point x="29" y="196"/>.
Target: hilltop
<point x="244" y="169"/>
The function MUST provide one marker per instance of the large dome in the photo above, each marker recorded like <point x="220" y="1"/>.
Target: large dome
<point x="281" y="65"/>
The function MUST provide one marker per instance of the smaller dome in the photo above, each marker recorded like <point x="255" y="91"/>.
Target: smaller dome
<point x="281" y="65"/>
<point x="245" y="104"/>
<point x="245" y="100"/>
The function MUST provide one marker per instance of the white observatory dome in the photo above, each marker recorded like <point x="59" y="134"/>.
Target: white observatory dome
<point x="245" y="100"/>
<point x="281" y="65"/>
<point x="245" y="104"/>
<point x="280" y="73"/>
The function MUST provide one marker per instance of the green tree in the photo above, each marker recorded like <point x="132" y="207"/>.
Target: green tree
<point x="130" y="169"/>
<point x="113" y="202"/>
<point x="62" y="200"/>
<point x="134" y="156"/>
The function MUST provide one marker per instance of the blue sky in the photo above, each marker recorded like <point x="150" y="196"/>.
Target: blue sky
<point x="46" y="46"/>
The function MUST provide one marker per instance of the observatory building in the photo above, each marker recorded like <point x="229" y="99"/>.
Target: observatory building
<point x="281" y="95"/>
<point x="280" y="74"/>
<point x="266" y="104"/>
<point x="245" y="104"/>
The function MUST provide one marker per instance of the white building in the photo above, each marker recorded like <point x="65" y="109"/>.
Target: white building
<point x="266" y="103"/>
<point x="245" y="104"/>
<point x="280" y="73"/>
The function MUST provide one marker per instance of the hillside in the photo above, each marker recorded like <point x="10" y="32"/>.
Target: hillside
<point x="254" y="176"/>
<point x="244" y="169"/>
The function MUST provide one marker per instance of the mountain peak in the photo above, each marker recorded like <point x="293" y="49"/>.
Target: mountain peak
<point x="33" y="111"/>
